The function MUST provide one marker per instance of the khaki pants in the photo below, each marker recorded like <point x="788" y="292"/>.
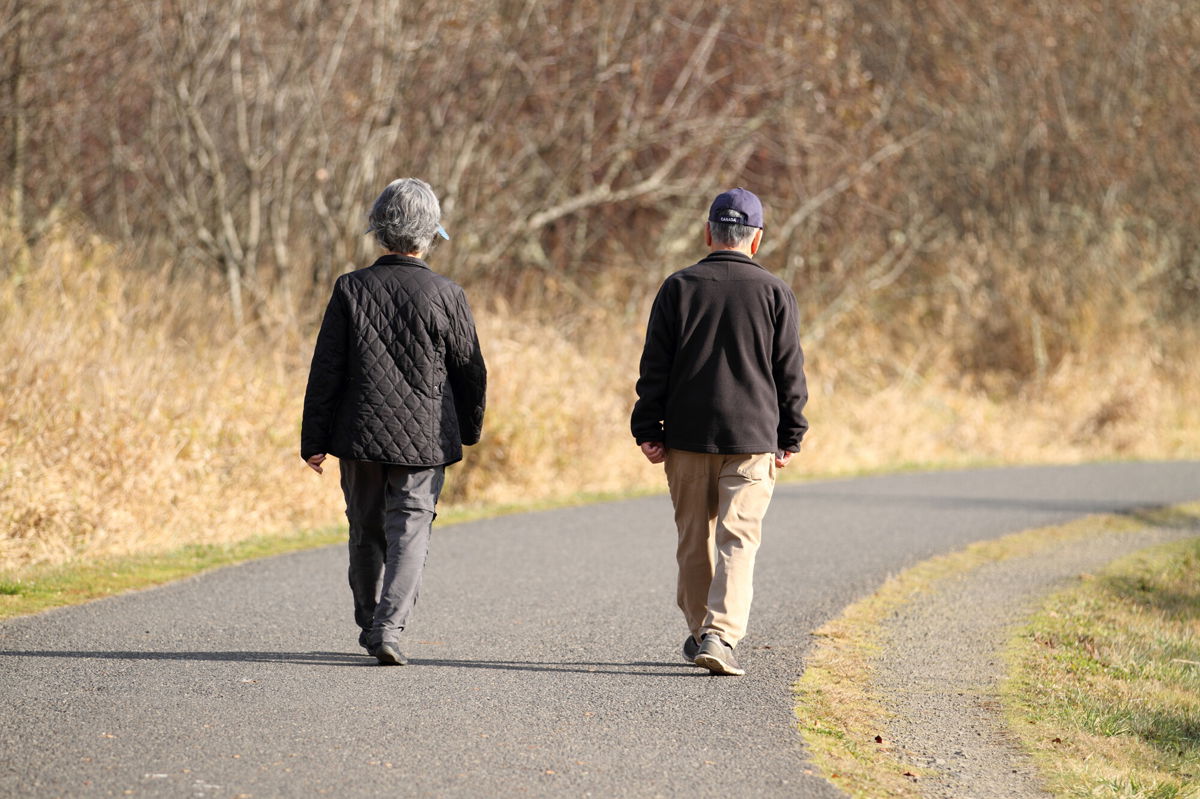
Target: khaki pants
<point x="720" y="501"/>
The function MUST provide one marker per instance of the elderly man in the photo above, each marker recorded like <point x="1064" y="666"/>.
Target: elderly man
<point x="395" y="390"/>
<point x="720" y="401"/>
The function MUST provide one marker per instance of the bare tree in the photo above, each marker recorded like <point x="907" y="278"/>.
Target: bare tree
<point x="16" y="33"/>
<point x="46" y="50"/>
<point x="569" y="139"/>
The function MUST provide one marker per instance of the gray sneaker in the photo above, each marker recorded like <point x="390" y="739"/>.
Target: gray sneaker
<point x="691" y="647"/>
<point x="717" y="656"/>
<point x="388" y="654"/>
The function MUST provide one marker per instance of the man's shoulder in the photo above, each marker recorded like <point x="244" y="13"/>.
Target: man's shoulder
<point x="728" y="266"/>
<point x="705" y="268"/>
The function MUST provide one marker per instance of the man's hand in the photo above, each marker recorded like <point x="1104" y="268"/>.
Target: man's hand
<point x="783" y="458"/>
<point x="315" y="462"/>
<point x="654" y="451"/>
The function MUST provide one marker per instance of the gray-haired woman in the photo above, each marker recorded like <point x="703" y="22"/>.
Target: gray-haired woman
<point x="396" y="388"/>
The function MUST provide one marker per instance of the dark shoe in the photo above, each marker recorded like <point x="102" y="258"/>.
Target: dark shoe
<point x="388" y="654"/>
<point x="363" y="642"/>
<point x="717" y="656"/>
<point x="690" y="648"/>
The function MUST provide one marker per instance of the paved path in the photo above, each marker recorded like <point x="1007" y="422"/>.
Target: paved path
<point x="545" y="649"/>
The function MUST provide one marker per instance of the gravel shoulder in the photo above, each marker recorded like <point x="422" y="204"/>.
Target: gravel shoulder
<point x="940" y="666"/>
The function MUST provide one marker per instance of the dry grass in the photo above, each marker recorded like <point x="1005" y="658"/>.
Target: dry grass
<point x="133" y="419"/>
<point x="1123" y="408"/>
<point x="558" y="413"/>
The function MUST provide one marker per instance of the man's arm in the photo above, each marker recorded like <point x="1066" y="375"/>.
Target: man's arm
<point x="326" y="377"/>
<point x="658" y="355"/>
<point x="791" y="388"/>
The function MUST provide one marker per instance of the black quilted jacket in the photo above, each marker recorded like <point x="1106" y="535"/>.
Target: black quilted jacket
<point x="397" y="375"/>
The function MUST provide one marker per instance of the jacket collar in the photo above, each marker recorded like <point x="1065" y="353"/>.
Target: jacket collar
<point x="730" y="255"/>
<point x="388" y="259"/>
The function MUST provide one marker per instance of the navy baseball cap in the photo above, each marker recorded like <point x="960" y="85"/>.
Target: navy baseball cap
<point x="737" y="206"/>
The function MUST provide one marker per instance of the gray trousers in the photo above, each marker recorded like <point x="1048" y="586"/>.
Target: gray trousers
<point x="391" y="511"/>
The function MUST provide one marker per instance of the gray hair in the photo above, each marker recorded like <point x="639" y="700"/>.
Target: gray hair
<point x="405" y="216"/>
<point x="731" y="233"/>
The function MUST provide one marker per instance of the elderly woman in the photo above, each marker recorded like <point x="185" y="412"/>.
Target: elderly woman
<point x="395" y="390"/>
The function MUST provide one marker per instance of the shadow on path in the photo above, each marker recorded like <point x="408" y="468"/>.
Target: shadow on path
<point x="303" y="658"/>
<point x="636" y="668"/>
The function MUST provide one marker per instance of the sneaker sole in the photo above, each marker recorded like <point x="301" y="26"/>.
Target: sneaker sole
<point x="718" y="666"/>
<point x="389" y="657"/>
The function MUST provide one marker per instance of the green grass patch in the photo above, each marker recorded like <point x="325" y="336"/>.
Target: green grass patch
<point x="1104" y="685"/>
<point x="36" y="589"/>
<point x="838" y="713"/>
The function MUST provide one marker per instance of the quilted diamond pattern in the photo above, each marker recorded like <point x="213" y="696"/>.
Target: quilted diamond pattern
<point x="397" y="375"/>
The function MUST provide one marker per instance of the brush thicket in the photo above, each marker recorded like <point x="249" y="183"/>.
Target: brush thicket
<point x="134" y="418"/>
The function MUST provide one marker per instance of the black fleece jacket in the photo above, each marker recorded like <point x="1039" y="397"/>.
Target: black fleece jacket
<point x="722" y="370"/>
<point x="397" y="375"/>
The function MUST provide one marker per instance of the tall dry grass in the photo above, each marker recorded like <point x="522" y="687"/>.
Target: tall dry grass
<point x="134" y="418"/>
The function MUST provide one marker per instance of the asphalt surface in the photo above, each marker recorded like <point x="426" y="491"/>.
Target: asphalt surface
<point x="545" y="653"/>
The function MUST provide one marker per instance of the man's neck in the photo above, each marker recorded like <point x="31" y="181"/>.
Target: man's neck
<point x="730" y="248"/>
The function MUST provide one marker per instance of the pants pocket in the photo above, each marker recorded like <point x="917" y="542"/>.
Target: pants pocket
<point x="758" y="467"/>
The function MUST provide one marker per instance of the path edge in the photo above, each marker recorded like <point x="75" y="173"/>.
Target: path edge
<point x="840" y="717"/>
